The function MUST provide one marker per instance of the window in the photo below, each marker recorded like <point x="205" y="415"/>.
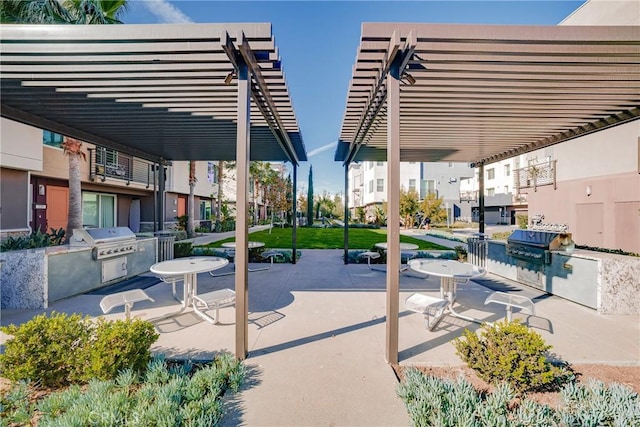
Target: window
<point x="412" y="185"/>
<point x="52" y="139"/>
<point x="379" y="163"/>
<point x="491" y="192"/>
<point x="507" y="170"/>
<point x="427" y="186"/>
<point x="98" y="210"/>
<point x="491" y="173"/>
<point x="205" y="209"/>
<point x="371" y="186"/>
<point x="380" y="185"/>
<point x="212" y="173"/>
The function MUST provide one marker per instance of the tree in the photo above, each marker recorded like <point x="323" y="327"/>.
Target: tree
<point x="276" y="195"/>
<point x="431" y="207"/>
<point x="191" y="213"/>
<point x="66" y="12"/>
<point x="360" y="214"/>
<point x="408" y="206"/>
<point x="62" y="12"/>
<point x="73" y="150"/>
<point x="310" y="198"/>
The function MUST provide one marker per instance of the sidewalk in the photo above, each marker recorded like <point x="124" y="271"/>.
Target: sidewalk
<point x="317" y="338"/>
<point x="214" y="237"/>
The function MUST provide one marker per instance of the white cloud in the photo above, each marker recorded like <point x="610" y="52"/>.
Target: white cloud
<point x="166" y="12"/>
<point x="319" y="150"/>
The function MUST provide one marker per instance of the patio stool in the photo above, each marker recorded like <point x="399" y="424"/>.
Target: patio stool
<point x="510" y="301"/>
<point x="270" y="255"/>
<point x="369" y="255"/>
<point x="126" y="298"/>
<point x="430" y="307"/>
<point x="408" y="256"/>
<point x="230" y="254"/>
<point x="216" y="300"/>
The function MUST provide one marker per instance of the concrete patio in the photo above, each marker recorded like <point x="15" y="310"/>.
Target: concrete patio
<point x="317" y="337"/>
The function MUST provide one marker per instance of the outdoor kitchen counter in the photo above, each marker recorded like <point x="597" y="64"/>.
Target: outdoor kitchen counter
<point x="32" y="278"/>
<point x="606" y="282"/>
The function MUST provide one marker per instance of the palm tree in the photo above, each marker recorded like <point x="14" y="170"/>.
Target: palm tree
<point x="191" y="202"/>
<point x="62" y="11"/>
<point x="65" y="12"/>
<point x="73" y="149"/>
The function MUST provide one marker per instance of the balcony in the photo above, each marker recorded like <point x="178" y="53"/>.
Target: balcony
<point x="469" y="196"/>
<point x="535" y="175"/>
<point x="106" y="163"/>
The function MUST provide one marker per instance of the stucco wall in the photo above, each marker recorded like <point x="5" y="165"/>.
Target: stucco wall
<point x="20" y="146"/>
<point x="605" y="12"/>
<point x="14" y="203"/>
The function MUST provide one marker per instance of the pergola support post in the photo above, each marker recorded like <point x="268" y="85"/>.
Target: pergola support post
<point x="481" y="197"/>
<point x="393" y="209"/>
<point x="294" y="234"/>
<point x="160" y="198"/>
<point x="346" y="213"/>
<point x="242" y="203"/>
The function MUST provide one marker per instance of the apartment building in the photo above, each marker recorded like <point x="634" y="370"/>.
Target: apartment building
<point x="368" y="180"/>
<point x="117" y="189"/>
<point x="590" y="183"/>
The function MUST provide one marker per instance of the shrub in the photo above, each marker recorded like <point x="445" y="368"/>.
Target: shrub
<point x="461" y="253"/>
<point x="523" y="221"/>
<point x="177" y="395"/>
<point x="118" y="345"/>
<point x="182" y="249"/>
<point x="37" y="239"/>
<point x="511" y="352"/>
<point x="44" y="349"/>
<point x="432" y="401"/>
<point x="64" y="349"/>
<point x="503" y="235"/>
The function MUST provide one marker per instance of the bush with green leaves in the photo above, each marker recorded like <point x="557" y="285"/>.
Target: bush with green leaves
<point x="432" y="401"/>
<point x="182" y="249"/>
<point x="115" y="345"/>
<point x="61" y="349"/>
<point x="511" y="352"/>
<point x="176" y="394"/>
<point x="37" y="239"/>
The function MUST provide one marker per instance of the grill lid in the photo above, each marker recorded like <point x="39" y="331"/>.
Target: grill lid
<point x="98" y="236"/>
<point x="540" y="239"/>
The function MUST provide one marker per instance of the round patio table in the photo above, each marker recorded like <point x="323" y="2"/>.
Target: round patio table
<point x="189" y="268"/>
<point x="403" y="246"/>
<point x="451" y="273"/>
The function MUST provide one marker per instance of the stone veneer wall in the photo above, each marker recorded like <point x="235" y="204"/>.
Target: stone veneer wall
<point x="620" y="286"/>
<point x="22" y="275"/>
<point x="33" y="278"/>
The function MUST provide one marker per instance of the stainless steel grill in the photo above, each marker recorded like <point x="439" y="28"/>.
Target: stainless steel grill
<point x="535" y="246"/>
<point x="105" y="242"/>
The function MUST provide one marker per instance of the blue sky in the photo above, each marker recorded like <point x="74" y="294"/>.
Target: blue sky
<point x="318" y="41"/>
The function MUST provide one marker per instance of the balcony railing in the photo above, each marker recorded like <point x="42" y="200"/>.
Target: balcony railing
<point x="536" y="175"/>
<point x="468" y="196"/>
<point x="106" y="163"/>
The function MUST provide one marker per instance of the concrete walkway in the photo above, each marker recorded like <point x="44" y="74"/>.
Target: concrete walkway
<point x="317" y="338"/>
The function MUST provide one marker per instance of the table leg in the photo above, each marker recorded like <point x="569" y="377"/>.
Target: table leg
<point x="448" y="290"/>
<point x="194" y="302"/>
<point x="186" y="298"/>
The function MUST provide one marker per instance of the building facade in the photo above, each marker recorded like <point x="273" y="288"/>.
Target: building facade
<point x="117" y="189"/>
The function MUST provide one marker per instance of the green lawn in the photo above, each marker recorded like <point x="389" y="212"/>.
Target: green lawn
<point x="327" y="238"/>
